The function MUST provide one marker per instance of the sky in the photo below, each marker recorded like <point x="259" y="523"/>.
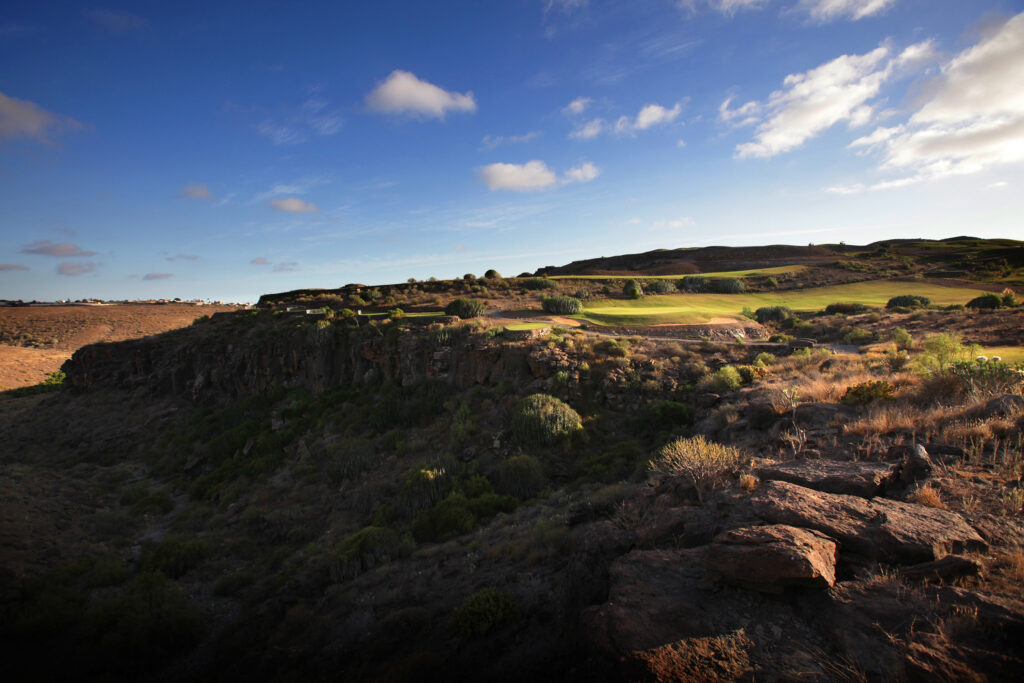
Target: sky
<point x="220" y="151"/>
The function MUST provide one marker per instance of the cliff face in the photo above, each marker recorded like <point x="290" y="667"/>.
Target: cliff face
<point x="223" y="363"/>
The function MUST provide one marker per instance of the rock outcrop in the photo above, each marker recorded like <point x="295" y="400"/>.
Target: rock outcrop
<point x="771" y="558"/>
<point x="865" y="479"/>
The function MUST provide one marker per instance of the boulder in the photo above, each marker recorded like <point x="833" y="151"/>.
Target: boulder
<point x="916" y="466"/>
<point x="865" y="479"/>
<point x="820" y="415"/>
<point x="770" y="558"/>
<point x="1006" y="405"/>
<point x="882" y="529"/>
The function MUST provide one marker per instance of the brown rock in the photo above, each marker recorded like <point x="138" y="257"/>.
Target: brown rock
<point x="866" y="479"/>
<point x="949" y="567"/>
<point x="880" y="529"/>
<point x="770" y="558"/>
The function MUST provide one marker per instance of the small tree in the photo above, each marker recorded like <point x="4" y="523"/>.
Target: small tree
<point x="633" y="289"/>
<point x="704" y="463"/>
<point x="492" y="274"/>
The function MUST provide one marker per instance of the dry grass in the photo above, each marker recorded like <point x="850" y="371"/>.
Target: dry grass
<point x="928" y="496"/>
<point x="748" y="482"/>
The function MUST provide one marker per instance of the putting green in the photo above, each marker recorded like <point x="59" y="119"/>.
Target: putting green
<point x="520" y="327"/>
<point x="705" y="308"/>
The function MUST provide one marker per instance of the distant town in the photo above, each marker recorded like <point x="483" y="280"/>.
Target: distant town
<point x="105" y="302"/>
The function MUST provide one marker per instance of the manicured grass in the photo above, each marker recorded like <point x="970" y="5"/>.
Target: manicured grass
<point x="519" y="327"/>
<point x="777" y="270"/>
<point x="1010" y="354"/>
<point x="702" y="308"/>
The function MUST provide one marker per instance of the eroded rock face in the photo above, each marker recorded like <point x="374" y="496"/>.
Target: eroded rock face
<point x="882" y="529"/>
<point x="770" y="558"/>
<point x="865" y="479"/>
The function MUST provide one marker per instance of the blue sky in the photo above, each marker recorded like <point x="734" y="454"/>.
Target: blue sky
<point x="224" y="150"/>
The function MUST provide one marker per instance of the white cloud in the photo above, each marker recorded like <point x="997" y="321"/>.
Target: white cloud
<point x="745" y="115"/>
<point x="681" y="143"/>
<point x="312" y="117"/>
<point x="972" y="118"/>
<point x="729" y="7"/>
<point x="195" y="191"/>
<point x="293" y="205"/>
<point x="23" y="119"/>
<point x="533" y="175"/>
<point x="830" y="10"/>
<point x="583" y="173"/>
<point x="816" y="100"/>
<point x="58" y="249"/>
<point x="589" y="130"/>
<point x="577" y="106"/>
<point x="651" y="115"/>
<point x="280" y="134"/>
<point x="999" y="184"/>
<point x="565" y="6"/>
<point x="493" y="141"/>
<point x="403" y="93"/>
<point x="677" y="224"/>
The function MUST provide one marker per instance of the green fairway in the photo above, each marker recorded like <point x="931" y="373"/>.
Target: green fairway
<point x="520" y="327"/>
<point x="1010" y="354"/>
<point x="703" y="308"/>
<point x="777" y="270"/>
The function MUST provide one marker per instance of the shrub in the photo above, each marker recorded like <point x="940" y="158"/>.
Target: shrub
<point x="450" y="518"/>
<point x="668" y="415"/>
<point x="469" y="276"/>
<point x="368" y="548"/>
<point x="492" y="274"/>
<point x="943" y="349"/>
<point x="174" y="556"/>
<point x="726" y="378"/>
<point x="896" y="359"/>
<point x="727" y="285"/>
<point x="987" y="376"/>
<point x="617" y="348"/>
<point x="694" y="283"/>
<point x="868" y="392"/>
<point x="702" y="462"/>
<point x="521" y="476"/>
<point x="543" y="420"/>
<point x="845" y="308"/>
<point x="775" y="314"/>
<point x="538" y="283"/>
<point x="902" y="339"/>
<point x="751" y="373"/>
<point x="465" y="308"/>
<point x="781" y="338"/>
<point x="482" y="612"/>
<point x="764" y="359"/>
<point x="661" y="287"/>
<point x="859" y="335"/>
<point x="582" y="294"/>
<point x="396" y="314"/>
<point x="633" y="289"/>
<point x="908" y="301"/>
<point x="1009" y="298"/>
<point x="986" y="301"/>
<point x="562" y="305"/>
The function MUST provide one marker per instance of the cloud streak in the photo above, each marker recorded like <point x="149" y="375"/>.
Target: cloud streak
<point x="533" y="175"/>
<point x="56" y="249"/>
<point x="157" y="276"/>
<point x="12" y="266"/>
<point x="293" y="205"/>
<point x="75" y="268"/>
<point x="24" y="119"/>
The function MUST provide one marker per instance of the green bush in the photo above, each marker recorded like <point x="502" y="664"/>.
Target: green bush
<point x="542" y="420"/>
<point x="988" y="376"/>
<point x="521" y="476"/>
<point x="492" y="274"/>
<point x="751" y="373"/>
<point x="846" y="308"/>
<point x="942" y="349"/>
<point x="617" y="348"/>
<point x="726" y="378"/>
<point x="902" y="339"/>
<point x="661" y="287"/>
<point x="986" y="301"/>
<point x="667" y="415"/>
<point x="858" y="336"/>
<point x="450" y="518"/>
<point x="633" y="289"/>
<point x="620" y="461"/>
<point x="562" y="305"/>
<point x="174" y="556"/>
<point x="908" y="301"/>
<point x="868" y="392"/>
<point x="775" y="314"/>
<point x="483" y="612"/>
<point x="694" y="283"/>
<point x="702" y="462"/>
<point x="465" y="308"/>
<point x="726" y="285"/>
<point x="538" y="283"/>
<point x="368" y="548"/>
<point x="396" y="314"/>
<point x="764" y="359"/>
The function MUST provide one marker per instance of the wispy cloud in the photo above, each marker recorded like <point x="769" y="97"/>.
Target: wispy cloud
<point x="583" y="173"/>
<point x="57" y="249"/>
<point x="259" y="261"/>
<point x="195" y="191"/>
<point x="313" y="117"/>
<point x="286" y="267"/>
<point x="972" y="118"/>
<point x="293" y="205"/>
<point x="674" y="224"/>
<point x="183" y="257"/>
<point x="403" y="93"/>
<point x="589" y="130"/>
<point x="12" y="266"/>
<point x="577" y="106"/>
<point x="490" y="142"/>
<point x="24" y="119"/>
<point x="299" y="186"/>
<point x="117" y="22"/>
<point x="649" y="116"/>
<point x="157" y="276"/>
<point x="75" y="268"/>
<point x="824" y="11"/>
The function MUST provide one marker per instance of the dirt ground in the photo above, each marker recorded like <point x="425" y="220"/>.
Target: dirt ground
<point x="36" y="340"/>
